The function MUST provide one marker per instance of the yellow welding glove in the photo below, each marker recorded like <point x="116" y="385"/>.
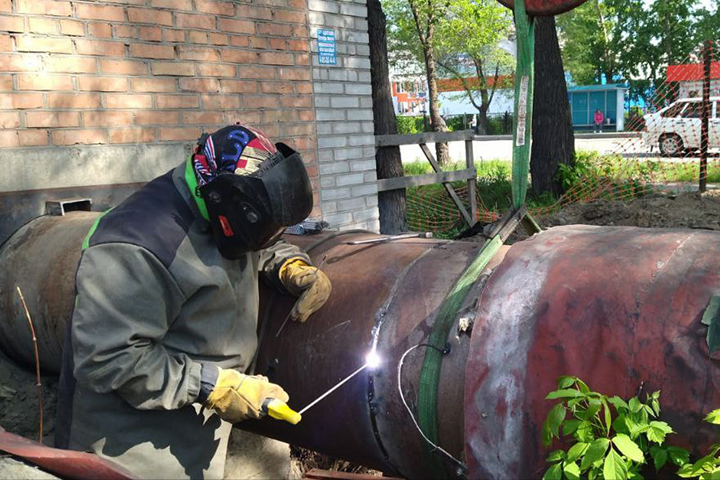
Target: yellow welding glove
<point x="237" y="396"/>
<point x="309" y="283"/>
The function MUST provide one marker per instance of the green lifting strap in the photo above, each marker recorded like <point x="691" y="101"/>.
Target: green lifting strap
<point x="522" y="121"/>
<point x="430" y="373"/>
<point x="522" y="135"/>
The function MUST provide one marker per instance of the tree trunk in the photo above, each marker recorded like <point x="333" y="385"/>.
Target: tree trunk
<point x="482" y="119"/>
<point x="437" y="124"/>
<point x="553" y="139"/>
<point x="389" y="164"/>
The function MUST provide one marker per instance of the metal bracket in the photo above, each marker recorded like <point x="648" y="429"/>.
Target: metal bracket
<point x="61" y="207"/>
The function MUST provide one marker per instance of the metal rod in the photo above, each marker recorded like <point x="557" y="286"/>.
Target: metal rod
<point x="390" y="238"/>
<point x="338" y="385"/>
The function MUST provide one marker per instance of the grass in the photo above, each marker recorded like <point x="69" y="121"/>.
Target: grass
<point x="616" y="167"/>
<point x="625" y="177"/>
<point x="484" y="168"/>
<point x="493" y="183"/>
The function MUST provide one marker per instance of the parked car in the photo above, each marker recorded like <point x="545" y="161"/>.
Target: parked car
<point x="677" y="127"/>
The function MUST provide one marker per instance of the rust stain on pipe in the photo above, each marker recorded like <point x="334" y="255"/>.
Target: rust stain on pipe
<point x="545" y="7"/>
<point x="618" y="307"/>
<point x="63" y="463"/>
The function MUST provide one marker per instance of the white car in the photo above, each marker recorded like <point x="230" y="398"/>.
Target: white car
<point x="677" y="127"/>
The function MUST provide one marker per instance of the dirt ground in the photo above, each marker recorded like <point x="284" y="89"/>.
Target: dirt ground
<point x="662" y="210"/>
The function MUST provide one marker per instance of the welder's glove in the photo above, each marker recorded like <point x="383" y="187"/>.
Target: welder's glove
<point x="237" y="396"/>
<point x="309" y="283"/>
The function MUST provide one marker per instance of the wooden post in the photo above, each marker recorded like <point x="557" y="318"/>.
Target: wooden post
<point x="707" y="57"/>
<point x="472" y="182"/>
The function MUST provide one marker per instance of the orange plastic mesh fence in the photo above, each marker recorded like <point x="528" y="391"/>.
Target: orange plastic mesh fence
<point x="664" y="154"/>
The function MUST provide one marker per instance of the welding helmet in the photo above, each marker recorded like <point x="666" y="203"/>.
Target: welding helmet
<point x="253" y="189"/>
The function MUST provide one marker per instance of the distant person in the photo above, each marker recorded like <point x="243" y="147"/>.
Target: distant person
<point x="599" y="120"/>
<point x="473" y="124"/>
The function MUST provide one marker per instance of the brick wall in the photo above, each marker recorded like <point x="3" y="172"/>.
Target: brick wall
<point x="115" y="91"/>
<point x="343" y="107"/>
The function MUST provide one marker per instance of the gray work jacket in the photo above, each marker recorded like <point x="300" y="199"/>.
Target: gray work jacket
<point x="155" y="301"/>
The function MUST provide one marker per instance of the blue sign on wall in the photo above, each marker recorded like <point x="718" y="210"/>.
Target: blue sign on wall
<point x="327" y="52"/>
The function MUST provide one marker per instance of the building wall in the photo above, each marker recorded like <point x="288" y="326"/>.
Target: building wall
<point x="343" y="107"/>
<point x="117" y="91"/>
<point x="695" y="89"/>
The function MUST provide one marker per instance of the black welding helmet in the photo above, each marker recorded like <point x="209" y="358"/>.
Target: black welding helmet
<point x="253" y="192"/>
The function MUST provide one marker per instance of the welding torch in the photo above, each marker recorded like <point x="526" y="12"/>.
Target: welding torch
<point x="279" y="410"/>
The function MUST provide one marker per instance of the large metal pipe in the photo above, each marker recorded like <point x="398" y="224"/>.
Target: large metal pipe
<point x="41" y="258"/>
<point x="619" y="307"/>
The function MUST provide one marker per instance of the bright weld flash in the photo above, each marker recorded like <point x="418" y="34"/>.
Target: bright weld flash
<point x="372" y="359"/>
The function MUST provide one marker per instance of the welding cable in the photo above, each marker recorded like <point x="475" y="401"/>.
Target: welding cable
<point x="457" y="462"/>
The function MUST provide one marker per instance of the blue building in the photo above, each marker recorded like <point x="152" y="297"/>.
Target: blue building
<point x="609" y="99"/>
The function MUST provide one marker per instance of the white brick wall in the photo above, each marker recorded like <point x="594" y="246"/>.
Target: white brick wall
<point x="343" y="109"/>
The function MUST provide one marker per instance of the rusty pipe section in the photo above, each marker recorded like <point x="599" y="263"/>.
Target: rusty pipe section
<point x="384" y="294"/>
<point x="620" y="307"/>
<point x="41" y="258"/>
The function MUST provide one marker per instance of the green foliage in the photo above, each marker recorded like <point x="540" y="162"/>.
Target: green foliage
<point x="458" y="122"/>
<point x="409" y="125"/>
<point x="613" y="439"/>
<point x="633" y="39"/>
<point x="619" y="176"/>
<point x="627" y="176"/>
<point x="634" y="120"/>
<point x="708" y="467"/>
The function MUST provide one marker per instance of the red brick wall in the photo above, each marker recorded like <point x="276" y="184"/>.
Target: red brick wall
<point x="151" y="71"/>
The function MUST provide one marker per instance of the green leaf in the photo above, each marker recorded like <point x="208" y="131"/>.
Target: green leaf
<point x="620" y="424"/>
<point x="632" y="475"/>
<point x="659" y="455"/>
<point x="608" y="416"/>
<point x="556" y="456"/>
<point x="577" y="451"/>
<point x="564" y="393"/>
<point x="628" y="448"/>
<point x="678" y="456"/>
<point x="565" y="381"/>
<point x="553" y="473"/>
<point x="594" y="406"/>
<point x="711" y="311"/>
<point x="635" y="405"/>
<point x="572" y="471"/>
<point x="582" y="386"/>
<point x="657" y="431"/>
<point x="714" y="475"/>
<point x="692" y="470"/>
<point x="570" y="426"/>
<point x="713" y="417"/>
<point x="551" y="427"/>
<point x="585" y="432"/>
<point x="619" y="403"/>
<point x="614" y="467"/>
<point x="595" y="452"/>
<point x="656" y="406"/>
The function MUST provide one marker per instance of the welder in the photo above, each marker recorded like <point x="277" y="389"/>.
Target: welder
<point x="166" y="312"/>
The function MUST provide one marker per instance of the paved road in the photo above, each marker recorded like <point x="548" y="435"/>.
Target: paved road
<point x="502" y="149"/>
